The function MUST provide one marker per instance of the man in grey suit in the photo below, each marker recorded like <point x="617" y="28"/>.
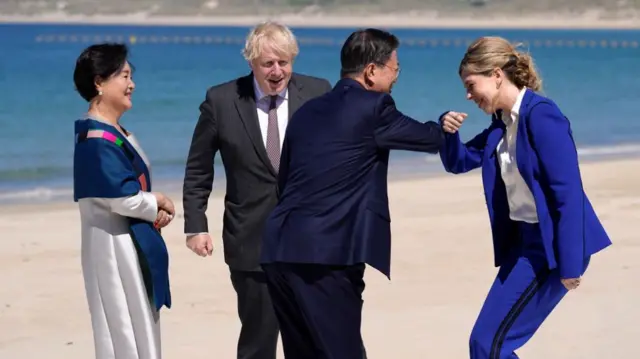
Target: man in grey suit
<point x="245" y="119"/>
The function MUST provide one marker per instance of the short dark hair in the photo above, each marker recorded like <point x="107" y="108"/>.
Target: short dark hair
<point x="99" y="60"/>
<point x="366" y="46"/>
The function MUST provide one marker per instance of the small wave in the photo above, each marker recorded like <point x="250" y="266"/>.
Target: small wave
<point x="38" y="194"/>
<point x="628" y="149"/>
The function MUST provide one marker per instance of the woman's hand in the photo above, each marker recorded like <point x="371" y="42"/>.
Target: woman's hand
<point x="163" y="219"/>
<point x="451" y="121"/>
<point x="164" y="203"/>
<point x="570" y="283"/>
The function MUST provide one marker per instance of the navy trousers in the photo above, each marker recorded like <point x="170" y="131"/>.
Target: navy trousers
<point x="522" y="296"/>
<point x="319" y="309"/>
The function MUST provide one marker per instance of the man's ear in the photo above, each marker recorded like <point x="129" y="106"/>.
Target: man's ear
<point x="369" y="73"/>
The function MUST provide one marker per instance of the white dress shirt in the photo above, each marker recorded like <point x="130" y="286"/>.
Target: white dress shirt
<point x="522" y="206"/>
<point x="262" y="106"/>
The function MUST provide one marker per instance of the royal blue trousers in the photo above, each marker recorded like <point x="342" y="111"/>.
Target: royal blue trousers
<point x="522" y="296"/>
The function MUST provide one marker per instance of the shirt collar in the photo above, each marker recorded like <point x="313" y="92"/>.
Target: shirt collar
<point x="284" y="94"/>
<point x="509" y="117"/>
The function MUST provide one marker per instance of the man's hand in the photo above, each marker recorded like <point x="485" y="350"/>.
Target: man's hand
<point x="451" y="121"/>
<point x="570" y="283"/>
<point x="200" y="244"/>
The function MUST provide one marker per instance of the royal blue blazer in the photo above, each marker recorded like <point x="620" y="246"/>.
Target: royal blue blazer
<point x="547" y="159"/>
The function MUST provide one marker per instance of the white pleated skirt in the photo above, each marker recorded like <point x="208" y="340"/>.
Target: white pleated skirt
<point x="125" y="325"/>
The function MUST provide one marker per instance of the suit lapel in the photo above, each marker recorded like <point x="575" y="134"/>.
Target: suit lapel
<point x="495" y="136"/>
<point x="246" y="105"/>
<point x="523" y="145"/>
<point x="295" y="96"/>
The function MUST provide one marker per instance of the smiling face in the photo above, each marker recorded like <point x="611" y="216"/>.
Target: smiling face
<point x="272" y="70"/>
<point x="117" y="89"/>
<point x="482" y="89"/>
<point x="382" y="78"/>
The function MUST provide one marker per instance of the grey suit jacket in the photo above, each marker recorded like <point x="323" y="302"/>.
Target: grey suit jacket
<point x="228" y="123"/>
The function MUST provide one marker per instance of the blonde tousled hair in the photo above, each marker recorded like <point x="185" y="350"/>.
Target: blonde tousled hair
<point x="488" y="53"/>
<point x="273" y="34"/>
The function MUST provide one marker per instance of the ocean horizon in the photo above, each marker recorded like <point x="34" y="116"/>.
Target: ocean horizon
<point x="589" y="73"/>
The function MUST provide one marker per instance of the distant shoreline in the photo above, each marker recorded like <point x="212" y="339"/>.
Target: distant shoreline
<point x="405" y="169"/>
<point x="541" y="21"/>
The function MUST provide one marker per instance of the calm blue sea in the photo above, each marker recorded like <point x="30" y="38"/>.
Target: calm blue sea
<point x="592" y="74"/>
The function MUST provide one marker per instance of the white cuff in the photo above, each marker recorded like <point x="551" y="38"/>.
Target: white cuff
<point x="142" y="205"/>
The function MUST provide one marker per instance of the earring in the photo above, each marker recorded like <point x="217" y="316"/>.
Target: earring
<point x="100" y="93"/>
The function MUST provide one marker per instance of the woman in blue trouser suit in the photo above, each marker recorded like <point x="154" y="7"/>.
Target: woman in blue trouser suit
<point x="544" y="228"/>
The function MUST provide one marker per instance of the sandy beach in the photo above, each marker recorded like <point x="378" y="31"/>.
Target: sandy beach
<point x="441" y="270"/>
<point x="549" y="20"/>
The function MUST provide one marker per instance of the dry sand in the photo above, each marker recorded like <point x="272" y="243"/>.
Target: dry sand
<point x="588" y="20"/>
<point x="441" y="271"/>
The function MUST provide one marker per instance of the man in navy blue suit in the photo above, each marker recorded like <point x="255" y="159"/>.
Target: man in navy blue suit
<point x="333" y="212"/>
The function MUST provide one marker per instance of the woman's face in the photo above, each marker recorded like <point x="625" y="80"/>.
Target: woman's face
<point x="117" y="90"/>
<point x="482" y="89"/>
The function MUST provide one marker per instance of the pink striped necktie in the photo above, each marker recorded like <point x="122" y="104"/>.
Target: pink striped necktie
<point x="273" y="136"/>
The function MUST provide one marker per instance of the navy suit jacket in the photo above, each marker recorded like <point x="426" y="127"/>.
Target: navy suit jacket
<point x="333" y="207"/>
<point x="547" y="159"/>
